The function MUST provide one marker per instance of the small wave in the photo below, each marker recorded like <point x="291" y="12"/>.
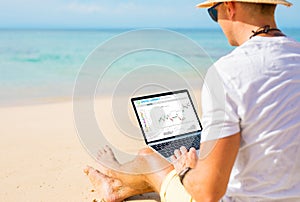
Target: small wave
<point x="43" y="58"/>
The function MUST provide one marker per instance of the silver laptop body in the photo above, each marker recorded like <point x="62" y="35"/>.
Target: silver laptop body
<point x="168" y="121"/>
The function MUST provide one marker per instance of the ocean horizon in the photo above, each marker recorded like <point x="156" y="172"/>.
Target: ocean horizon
<point x="39" y="65"/>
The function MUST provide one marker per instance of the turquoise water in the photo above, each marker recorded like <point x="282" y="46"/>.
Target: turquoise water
<point x="43" y="64"/>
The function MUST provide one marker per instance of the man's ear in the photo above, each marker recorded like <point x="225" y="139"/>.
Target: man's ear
<point x="230" y="9"/>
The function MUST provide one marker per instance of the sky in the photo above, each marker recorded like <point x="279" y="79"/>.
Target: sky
<point x="94" y="14"/>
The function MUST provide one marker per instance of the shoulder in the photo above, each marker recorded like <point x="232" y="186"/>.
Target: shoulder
<point x="251" y="58"/>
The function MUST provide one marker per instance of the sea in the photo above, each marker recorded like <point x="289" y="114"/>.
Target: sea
<point x="38" y="66"/>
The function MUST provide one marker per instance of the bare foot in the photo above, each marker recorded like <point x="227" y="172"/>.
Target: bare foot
<point x="109" y="189"/>
<point x="107" y="160"/>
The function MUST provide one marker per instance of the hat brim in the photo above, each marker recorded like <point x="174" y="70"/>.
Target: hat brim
<point x="211" y="3"/>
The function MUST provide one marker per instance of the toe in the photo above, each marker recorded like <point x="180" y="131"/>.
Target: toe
<point x="91" y="171"/>
<point x="109" y="150"/>
<point x="86" y="170"/>
<point x="100" y="152"/>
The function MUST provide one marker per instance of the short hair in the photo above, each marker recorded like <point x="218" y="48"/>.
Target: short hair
<point x="261" y="8"/>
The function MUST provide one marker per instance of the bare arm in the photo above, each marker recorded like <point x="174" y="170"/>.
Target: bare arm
<point x="208" y="180"/>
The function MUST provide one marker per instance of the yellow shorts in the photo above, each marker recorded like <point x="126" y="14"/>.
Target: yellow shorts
<point x="173" y="191"/>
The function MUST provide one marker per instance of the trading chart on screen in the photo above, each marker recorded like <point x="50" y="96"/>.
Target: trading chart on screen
<point x="167" y="116"/>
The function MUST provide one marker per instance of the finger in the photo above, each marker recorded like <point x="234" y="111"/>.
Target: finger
<point x="183" y="150"/>
<point x="193" y="151"/>
<point x="173" y="159"/>
<point x="193" y="158"/>
<point x="177" y="153"/>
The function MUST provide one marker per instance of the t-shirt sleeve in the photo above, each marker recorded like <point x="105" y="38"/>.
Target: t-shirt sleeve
<point x="219" y="110"/>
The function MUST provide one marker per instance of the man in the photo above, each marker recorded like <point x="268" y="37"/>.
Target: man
<point x="251" y="141"/>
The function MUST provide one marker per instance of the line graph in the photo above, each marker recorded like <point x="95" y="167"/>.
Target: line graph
<point x="174" y="116"/>
<point x="171" y="118"/>
<point x="168" y="117"/>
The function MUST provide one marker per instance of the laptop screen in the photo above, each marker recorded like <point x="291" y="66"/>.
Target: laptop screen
<point x="166" y="115"/>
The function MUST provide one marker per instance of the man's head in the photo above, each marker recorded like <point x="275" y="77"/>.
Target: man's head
<point x="238" y="18"/>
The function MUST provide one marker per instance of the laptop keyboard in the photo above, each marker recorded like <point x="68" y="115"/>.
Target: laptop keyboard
<point x="167" y="148"/>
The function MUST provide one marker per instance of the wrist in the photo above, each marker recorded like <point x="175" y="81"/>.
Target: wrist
<point x="183" y="173"/>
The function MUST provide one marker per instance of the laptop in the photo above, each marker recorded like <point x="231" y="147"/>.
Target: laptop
<point x="168" y="121"/>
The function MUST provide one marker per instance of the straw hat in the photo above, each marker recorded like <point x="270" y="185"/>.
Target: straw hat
<point x="210" y="3"/>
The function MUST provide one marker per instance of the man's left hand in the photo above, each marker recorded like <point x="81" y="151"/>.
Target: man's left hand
<point x="183" y="158"/>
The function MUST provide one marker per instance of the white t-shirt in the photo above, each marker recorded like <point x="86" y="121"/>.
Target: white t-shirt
<point x="255" y="90"/>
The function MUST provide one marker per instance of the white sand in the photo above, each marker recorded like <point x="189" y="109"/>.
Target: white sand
<point x="42" y="159"/>
<point x="41" y="156"/>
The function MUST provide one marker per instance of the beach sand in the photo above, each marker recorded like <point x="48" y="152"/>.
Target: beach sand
<point x="42" y="158"/>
